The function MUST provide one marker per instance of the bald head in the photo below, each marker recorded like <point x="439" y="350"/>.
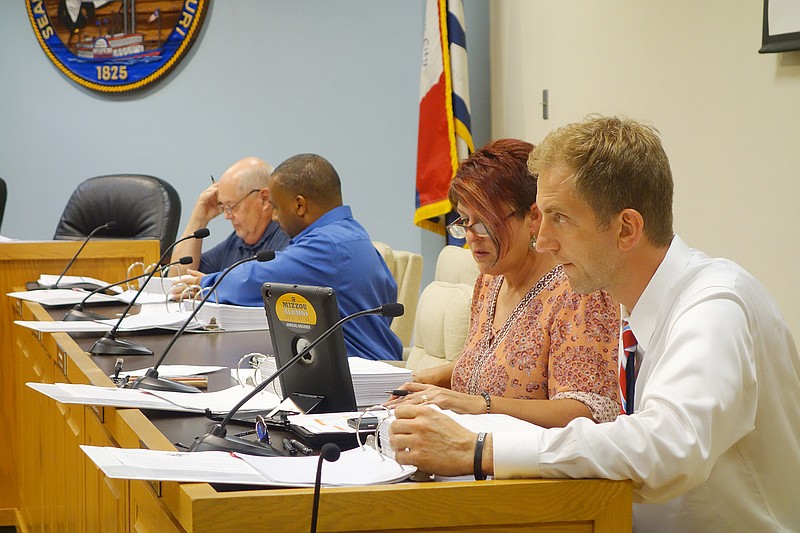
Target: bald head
<point x="247" y="174"/>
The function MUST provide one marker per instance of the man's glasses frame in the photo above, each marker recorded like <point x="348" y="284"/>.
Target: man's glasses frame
<point x="231" y="210"/>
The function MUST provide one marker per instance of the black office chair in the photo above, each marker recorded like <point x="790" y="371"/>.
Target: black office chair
<point x="143" y="207"/>
<point x="3" y="197"/>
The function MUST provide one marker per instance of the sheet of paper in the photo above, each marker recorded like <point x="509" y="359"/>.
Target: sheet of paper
<point x="202" y="467"/>
<point x="48" y="280"/>
<point x="60" y="297"/>
<point x="217" y="402"/>
<point x="330" y="422"/>
<point x="151" y="319"/>
<point x="361" y="466"/>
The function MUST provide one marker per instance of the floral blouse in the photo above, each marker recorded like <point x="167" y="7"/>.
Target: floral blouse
<point x="555" y="344"/>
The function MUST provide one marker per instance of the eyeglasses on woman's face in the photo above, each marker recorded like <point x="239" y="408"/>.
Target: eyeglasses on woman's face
<point x="458" y="229"/>
<point x="232" y="209"/>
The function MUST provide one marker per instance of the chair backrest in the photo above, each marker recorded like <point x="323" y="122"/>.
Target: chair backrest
<point x="144" y="207"/>
<point x="443" y="313"/>
<point x="3" y="198"/>
<point x="406" y="267"/>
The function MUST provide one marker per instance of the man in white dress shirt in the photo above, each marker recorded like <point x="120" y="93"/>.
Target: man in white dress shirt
<point x="712" y="441"/>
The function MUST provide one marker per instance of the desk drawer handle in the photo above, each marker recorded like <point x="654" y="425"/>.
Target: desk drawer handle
<point x="61" y="359"/>
<point x="99" y="412"/>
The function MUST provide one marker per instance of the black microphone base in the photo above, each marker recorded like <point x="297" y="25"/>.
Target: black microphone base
<point x="112" y="346"/>
<point x="162" y="384"/>
<point x="81" y="314"/>
<point x="210" y="442"/>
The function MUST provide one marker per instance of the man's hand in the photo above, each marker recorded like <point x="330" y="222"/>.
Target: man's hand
<point x="434" y="442"/>
<point x="187" y="285"/>
<point x="206" y="207"/>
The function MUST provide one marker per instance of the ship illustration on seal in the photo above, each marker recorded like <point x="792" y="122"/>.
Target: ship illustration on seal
<point x="116" y="36"/>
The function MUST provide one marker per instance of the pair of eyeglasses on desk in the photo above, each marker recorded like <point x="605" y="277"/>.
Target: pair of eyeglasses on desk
<point x="261" y="430"/>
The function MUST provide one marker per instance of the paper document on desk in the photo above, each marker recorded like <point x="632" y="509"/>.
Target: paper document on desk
<point x="217" y="402"/>
<point x="61" y="297"/>
<point x="360" y="466"/>
<point x="151" y="317"/>
<point x="48" y="280"/>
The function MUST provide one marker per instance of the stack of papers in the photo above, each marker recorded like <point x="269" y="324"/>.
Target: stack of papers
<point x="360" y="466"/>
<point x="229" y="317"/>
<point x="217" y="402"/>
<point x="371" y="379"/>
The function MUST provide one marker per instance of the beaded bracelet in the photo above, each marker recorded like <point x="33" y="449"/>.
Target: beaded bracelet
<point x="478" y="463"/>
<point x="488" y="401"/>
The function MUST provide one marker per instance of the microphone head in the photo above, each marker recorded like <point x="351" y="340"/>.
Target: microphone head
<point x="330" y="452"/>
<point x="202" y="233"/>
<point x="394" y="309"/>
<point x="111" y="224"/>
<point x="186" y="260"/>
<point x="265" y="255"/>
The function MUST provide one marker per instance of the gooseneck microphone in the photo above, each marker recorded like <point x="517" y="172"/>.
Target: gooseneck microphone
<point x="331" y="453"/>
<point x="109" y="344"/>
<point x="217" y="438"/>
<point x="108" y="225"/>
<point x="150" y="379"/>
<point x="79" y="313"/>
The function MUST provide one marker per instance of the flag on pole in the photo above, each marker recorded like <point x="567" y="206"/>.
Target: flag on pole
<point x="445" y="136"/>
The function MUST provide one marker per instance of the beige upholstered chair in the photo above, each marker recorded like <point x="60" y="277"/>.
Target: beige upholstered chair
<point x="406" y="267"/>
<point x="442" y="320"/>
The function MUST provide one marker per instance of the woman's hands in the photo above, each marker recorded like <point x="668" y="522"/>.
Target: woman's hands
<point x="421" y="393"/>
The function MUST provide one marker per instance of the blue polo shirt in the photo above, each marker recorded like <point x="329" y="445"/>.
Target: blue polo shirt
<point x="235" y="249"/>
<point x="335" y="251"/>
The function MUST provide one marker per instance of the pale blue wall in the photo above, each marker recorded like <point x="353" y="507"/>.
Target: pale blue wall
<point x="266" y="77"/>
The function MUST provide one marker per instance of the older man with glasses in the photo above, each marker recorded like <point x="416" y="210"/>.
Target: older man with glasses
<point x="241" y="196"/>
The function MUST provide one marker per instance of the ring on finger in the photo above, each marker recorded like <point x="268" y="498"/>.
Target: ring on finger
<point x="424" y="398"/>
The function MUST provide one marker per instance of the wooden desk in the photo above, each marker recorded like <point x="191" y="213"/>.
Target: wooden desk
<point x="21" y="262"/>
<point x="77" y="497"/>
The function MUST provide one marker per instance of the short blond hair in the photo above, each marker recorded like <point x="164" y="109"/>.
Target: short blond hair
<point x="618" y="164"/>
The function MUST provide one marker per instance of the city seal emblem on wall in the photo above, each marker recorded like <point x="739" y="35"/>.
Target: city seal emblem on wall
<point x="114" y="46"/>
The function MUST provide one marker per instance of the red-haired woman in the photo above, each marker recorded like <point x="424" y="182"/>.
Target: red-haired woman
<point x="536" y="349"/>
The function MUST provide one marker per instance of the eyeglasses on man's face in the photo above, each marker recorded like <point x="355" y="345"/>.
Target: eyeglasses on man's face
<point x="231" y="210"/>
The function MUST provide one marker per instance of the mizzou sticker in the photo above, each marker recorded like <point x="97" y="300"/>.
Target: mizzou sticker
<point x="295" y="312"/>
<point x="115" y="46"/>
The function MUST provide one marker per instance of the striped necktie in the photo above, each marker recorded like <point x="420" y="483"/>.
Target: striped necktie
<point x="627" y="363"/>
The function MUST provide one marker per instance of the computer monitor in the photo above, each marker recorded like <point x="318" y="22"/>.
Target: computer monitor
<point x="297" y="315"/>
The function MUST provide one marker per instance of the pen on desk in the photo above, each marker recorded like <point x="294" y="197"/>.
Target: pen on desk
<point x="398" y="392"/>
<point x="305" y="450"/>
<point x="289" y="447"/>
<point x="201" y="382"/>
